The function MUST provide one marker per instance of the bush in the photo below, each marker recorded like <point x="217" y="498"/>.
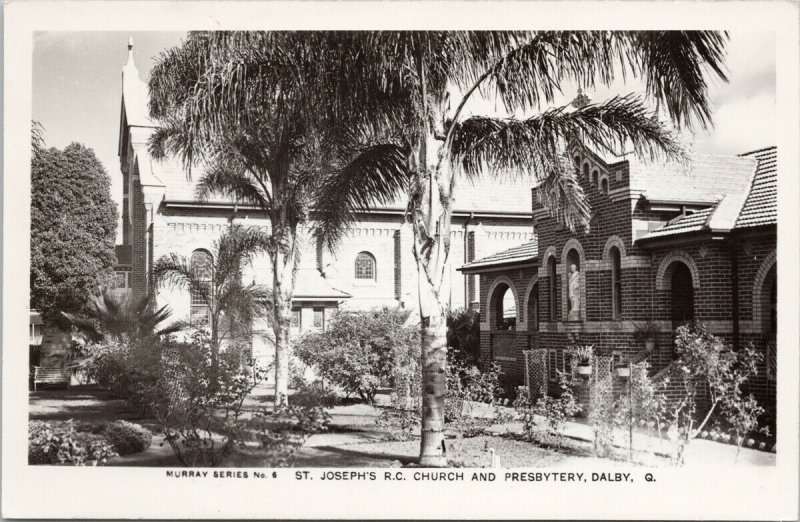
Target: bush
<point x="543" y="421"/>
<point x="127" y="437"/>
<point x="362" y="351"/>
<point x="63" y="444"/>
<point x="464" y="335"/>
<point x="281" y="433"/>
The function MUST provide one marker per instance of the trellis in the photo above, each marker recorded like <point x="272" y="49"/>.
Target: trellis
<point x="536" y="372"/>
<point x="601" y="389"/>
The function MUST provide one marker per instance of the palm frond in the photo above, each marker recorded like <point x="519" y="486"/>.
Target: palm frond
<point x="176" y="271"/>
<point x="673" y="65"/>
<point x="533" y="146"/>
<point x="563" y="197"/>
<point x="375" y="176"/>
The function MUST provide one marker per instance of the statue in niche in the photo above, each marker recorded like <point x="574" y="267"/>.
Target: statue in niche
<point x="574" y="293"/>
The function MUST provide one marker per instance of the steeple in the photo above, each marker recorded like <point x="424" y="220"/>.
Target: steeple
<point x="130" y="62"/>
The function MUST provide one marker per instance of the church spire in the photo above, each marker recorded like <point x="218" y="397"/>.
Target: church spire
<point x="130" y="52"/>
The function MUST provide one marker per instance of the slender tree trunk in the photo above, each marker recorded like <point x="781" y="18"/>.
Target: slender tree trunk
<point x="282" y="290"/>
<point x="432" y="211"/>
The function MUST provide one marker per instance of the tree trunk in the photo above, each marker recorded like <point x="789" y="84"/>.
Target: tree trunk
<point x="282" y="290"/>
<point x="434" y="390"/>
<point x="431" y="215"/>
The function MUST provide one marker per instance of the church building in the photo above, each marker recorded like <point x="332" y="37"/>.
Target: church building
<point x="373" y="266"/>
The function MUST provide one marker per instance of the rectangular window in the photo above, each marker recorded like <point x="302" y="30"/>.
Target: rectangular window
<point x="552" y="365"/>
<point x="296" y="321"/>
<point x="319" y="318"/>
<point x="200" y="311"/>
<point x="120" y="279"/>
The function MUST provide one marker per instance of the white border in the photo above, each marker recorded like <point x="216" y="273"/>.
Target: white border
<point x="724" y="493"/>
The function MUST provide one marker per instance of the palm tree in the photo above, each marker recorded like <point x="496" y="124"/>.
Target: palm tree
<point x="432" y="75"/>
<point x="118" y="316"/>
<point x="251" y="108"/>
<point x="233" y="307"/>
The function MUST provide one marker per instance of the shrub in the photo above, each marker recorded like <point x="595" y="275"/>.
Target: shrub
<point x="281" y="433"/>
<point x="705" y="365"/>
<point x="402" y="423"/>
<point x="314" y="394"/>
<point x="63" y="444"/>
<point x="467" y="383"/>
<point x="543" y="420"/>
<point x="464" y="335"/>
<point x="127" y="437"/>
<point x="362" y="351"/>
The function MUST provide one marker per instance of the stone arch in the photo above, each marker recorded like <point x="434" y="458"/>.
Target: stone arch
<point x="614" y="241"/>
<point x="490" y="296"/>
<point x="551" y="251"/>
<point x="758" y="287"/>
<point x="573" y="243"/>
<point x="664" y="274"/>
<point x="526" y="297"/>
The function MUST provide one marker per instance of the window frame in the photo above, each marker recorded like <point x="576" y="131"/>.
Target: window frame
<point x="199" y="308"/>
<point x="321" y="311"/>
<point x="371" y="258"/>
<point x="616" y="283"/>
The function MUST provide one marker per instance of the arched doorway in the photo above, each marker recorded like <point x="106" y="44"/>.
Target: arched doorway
<point x="682" y="293"/>
<point x="503" y="321"/>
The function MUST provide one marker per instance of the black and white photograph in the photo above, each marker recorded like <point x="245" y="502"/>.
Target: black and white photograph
<point x="403" y="257"/>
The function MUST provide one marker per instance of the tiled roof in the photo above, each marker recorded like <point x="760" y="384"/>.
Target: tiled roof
<point x="310" y="285"/>
<point x="683" y="224"/>
<point x="761" y="205"/>
<point x="706" y="178"/>
<point x="518" y="254"/>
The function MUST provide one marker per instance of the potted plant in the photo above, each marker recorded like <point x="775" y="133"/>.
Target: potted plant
<point x="646" y="333"/>
<point x="584" y="355"/>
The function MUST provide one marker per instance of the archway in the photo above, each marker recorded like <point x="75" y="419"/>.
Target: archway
<point x="502" y="307"/>
<point x="572" y="269"/>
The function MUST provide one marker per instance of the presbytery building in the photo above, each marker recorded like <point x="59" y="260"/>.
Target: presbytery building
<point x="666" y="244"/>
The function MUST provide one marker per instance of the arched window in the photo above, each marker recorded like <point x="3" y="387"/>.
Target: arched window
<point x="585" y="170"/>
<point x="682" y="294"/>
<point x="595" y="176"/>
<point x="616" y="283"/>
<point x="577" y="165"/>
<point x="604" y="186"/>
<point x="365" y="267"/>
<point x="551" y="298"/>
<point x="202" y="265"/>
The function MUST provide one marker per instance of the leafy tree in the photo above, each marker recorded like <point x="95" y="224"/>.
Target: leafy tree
<point x="425" y="80"/>
<point x="233" y="306"/>
<point x="73" y="227"/>
<point x="362" y="351"/>
<point x="252" y="109"/>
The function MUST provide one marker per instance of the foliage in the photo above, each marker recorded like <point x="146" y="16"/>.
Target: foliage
<point x="73" y="227"/>
<point x="233" y="307"/>
<point x="584" y="354"/>
<point x="314" y="394"/>
<point x="62" y="444"/>
<point x="127" y="437"/>
<point x="363" y="351"/>
<point x="705" y="366"/>
<point x="467" y="384"/>
<point x="645" y="332"/>
<point x="281" y="433"/>
<point x="464" y="335"/>
<point x="402" y="423"/>
<point x="117" y="316"/>
<point x="544" y="420"/>
<point x="198" y="401"/>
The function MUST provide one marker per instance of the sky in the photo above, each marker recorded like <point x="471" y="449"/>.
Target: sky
<point x="77" y="88"/>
